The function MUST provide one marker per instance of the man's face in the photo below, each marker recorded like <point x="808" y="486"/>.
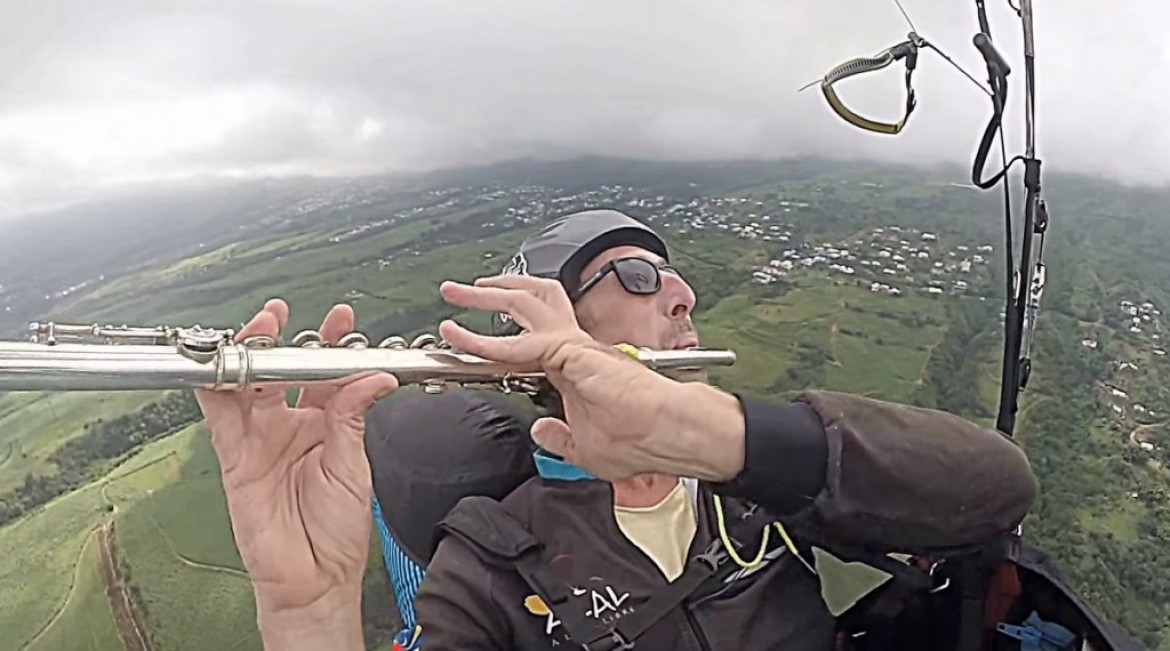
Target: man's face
<point x="612" y="315"/>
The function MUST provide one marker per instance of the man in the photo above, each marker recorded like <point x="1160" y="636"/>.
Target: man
<point x="655" y="471"/>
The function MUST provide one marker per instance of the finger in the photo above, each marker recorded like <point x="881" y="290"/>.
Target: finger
<point x="268" y="322"/>
<point x="525" y="351"/>
<point x="223" y="414"/>
<point x="344" y="453"/>
<point x="337" y="323"/>
<point x="529" y="311"/>
<point x="280" y="309"/>
<point x="554" y="435"/>
<point x="549" y="291"/>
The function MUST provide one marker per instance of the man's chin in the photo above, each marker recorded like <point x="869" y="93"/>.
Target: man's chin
<point x="700" y="375"/>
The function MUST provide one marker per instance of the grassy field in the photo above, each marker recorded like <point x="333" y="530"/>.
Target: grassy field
<point x="146" y="281"/>
<point x="311" y="279"/>
<point x="35" y="424"/>
<point x="48" y="560"/>
<point x="38" y="561"/>
<point x="86" y="622"/>
<point x="176" y="538"/>
<point x="173" y="534"/>
<point x="865" y="352"/>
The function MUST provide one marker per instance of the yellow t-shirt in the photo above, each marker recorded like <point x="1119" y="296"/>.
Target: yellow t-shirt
<point x="664" y="531"/>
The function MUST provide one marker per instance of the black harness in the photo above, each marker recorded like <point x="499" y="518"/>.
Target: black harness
<point x="500" y="540"/>
<point x="937" y="601"/>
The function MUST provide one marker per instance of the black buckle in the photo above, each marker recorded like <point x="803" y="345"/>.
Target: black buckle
<point x="620" y="640"/>
<point x="713" y="556"/>
<point x="613" y="641"/>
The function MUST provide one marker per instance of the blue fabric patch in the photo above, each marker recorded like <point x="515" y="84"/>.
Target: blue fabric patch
<point x="551" y="468"/>
<point x="405" y="575"/>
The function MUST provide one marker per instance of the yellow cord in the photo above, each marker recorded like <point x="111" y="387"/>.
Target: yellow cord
<point x="727" y="540"/>
<point x="763" y="542"/>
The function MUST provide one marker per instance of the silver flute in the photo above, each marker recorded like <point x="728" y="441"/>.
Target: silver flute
<point x="65" y="357"/>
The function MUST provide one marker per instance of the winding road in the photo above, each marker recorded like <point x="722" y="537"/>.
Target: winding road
<point x="1133" y="435"/>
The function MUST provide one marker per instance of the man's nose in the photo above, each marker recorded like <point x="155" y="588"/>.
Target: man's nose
<point x="681" y="298"/>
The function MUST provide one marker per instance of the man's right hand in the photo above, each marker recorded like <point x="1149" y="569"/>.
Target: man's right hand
<point x="298" y="491"/>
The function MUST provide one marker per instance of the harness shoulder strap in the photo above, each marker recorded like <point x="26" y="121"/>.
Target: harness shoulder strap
<point x="502" y="541"/>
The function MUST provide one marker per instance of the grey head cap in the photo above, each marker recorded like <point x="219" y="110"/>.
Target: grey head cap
<point x="564" y="246"/>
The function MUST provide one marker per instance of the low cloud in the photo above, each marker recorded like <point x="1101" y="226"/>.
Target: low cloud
<point x="130" y="90"/>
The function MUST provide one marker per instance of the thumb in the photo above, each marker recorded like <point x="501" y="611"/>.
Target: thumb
<point x="554" y="435"/>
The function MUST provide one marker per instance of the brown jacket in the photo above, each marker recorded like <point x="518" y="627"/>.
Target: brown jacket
<point x="833" y="468"/>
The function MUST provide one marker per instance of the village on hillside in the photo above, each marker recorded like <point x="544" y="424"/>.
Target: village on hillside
<point x="1134" y="379"/>
<point x="888" y="259"/>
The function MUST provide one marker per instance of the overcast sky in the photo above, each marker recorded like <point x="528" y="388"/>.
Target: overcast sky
<point x="101" y="93"/>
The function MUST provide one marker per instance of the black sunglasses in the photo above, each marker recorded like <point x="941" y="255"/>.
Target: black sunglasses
<point x="637" y="276"/>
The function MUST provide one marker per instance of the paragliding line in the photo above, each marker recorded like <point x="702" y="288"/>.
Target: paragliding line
<point x="1025" y="284"/>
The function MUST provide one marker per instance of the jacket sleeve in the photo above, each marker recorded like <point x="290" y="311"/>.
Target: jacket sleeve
<point x="454" y="604"/>
<point x="886" y="476"/>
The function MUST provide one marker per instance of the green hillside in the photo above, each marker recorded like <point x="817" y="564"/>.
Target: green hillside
<point x="915" y="318"/>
